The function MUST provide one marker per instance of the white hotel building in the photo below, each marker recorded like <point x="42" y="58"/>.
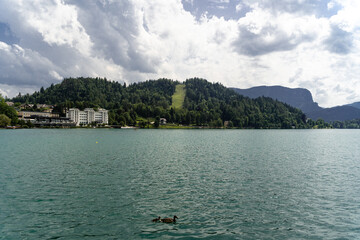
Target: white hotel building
<point x="88" y="116"/>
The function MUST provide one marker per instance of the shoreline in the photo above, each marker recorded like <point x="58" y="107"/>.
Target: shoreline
<point x="167" y="127"/>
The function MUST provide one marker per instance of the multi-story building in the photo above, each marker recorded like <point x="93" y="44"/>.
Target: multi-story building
<point x="28" y="114"/>
<point x="45" y="119"/>
<point x="88" y="116"/>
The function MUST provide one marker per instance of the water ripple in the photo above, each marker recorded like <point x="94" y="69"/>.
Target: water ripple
<point x="252" y="184"/>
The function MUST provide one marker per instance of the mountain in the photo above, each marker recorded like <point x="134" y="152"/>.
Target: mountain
<point x="301" y="98"/>
<point x="297" y="97"/>
<point x="202" y="96"/>
<point x="204" y="104"/>
<point x="339" y="113"/>
<point x="355" y="105"/>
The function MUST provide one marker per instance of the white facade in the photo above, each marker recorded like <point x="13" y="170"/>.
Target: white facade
<point x="88" y="116"/>
<point x="27" y="114"/>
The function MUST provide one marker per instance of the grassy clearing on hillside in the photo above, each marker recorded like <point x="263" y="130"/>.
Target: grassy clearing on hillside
<point x="179" y="96"/>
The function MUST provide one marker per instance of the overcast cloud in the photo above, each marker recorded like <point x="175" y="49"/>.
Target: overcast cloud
<point x="313" y="44"/>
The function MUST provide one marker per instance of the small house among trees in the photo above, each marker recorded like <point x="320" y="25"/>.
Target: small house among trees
<point x="163" y="121"/>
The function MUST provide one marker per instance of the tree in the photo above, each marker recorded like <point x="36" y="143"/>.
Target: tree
<point x="4" y="120"/>
<point x="230" y="124"/>
<point x="10" y="112"/>
<point x="142" y="124"/>
<point x="157" y="122"/>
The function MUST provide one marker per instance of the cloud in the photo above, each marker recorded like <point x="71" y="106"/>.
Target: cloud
<point x="345" y="27"/>
<point x="239" y="7"/>
<point x="347" y="18"/>
<point x="58" y="24"/>
<point x="269" y="39"/>
<point x="296" y="76"/>
<point x="295" y="43"/>
<point x="306" y="7"/>
<point x="219" y="1"/>
<point x="114" y="27"/>
<point x="339" y="41"/>
<point x="271" y="33"/>
<point x="6" y="35"/>
<point x="52" y="44"/>
<point x="14" y="58"/>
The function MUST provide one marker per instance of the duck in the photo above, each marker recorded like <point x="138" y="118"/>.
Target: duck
<point x="169" y="220"/>
<point x="156" y="219"/>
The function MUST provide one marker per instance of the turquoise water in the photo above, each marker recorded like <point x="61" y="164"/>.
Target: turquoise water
<point x="222" y="184"/>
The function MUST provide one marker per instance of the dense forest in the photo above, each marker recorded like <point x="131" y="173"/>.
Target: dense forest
<point x="205" y="104"/>
<point x="353" y="124"/>
<point x="213" y="103"/>
<point x="8" y="115"/>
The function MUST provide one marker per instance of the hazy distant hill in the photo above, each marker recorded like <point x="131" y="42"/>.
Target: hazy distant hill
<point x="339" y="113"/>
<point x="355" y="105"/>
<point x="297" y="97"/>
<point x="301" y="98"/>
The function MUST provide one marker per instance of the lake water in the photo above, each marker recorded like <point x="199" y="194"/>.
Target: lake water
<point x="222" y="184"/>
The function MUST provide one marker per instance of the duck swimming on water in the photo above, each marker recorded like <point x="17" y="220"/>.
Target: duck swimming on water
<point x="156" y="219"/>
<point x="169" y="220"/>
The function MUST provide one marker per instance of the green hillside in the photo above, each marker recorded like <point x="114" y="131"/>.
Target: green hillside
<point x="178" y="97"/>
<point x="214" y="103"/>
<point x="196" y="102"/>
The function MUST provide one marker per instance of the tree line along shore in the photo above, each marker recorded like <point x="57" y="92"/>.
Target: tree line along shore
<point x="162" y="103"/>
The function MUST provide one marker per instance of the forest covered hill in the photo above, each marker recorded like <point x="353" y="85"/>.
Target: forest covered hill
<point x="205" y="104"/>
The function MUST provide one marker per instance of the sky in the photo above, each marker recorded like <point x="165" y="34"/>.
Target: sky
<point x="313" y="44"/>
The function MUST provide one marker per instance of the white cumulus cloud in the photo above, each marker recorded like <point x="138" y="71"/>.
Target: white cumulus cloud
<point x="288" y="42"/>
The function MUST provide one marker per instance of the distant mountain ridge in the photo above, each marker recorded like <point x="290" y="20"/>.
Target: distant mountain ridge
<point x="355" y="105"/>
<point x="297" y="97"/>
<point x="301" y="98"/>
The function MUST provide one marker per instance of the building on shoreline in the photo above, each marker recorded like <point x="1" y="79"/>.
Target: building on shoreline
<point x="40" y="121"/>
<point x="163" y="121"/>
<point x="88" y="116"/>
<point x="28" y="114"/>
<point x="45" y="119"/>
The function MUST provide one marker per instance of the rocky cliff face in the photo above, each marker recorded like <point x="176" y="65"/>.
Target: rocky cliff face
<point x="301" y="98"/>
<point x="297" y="97"/>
